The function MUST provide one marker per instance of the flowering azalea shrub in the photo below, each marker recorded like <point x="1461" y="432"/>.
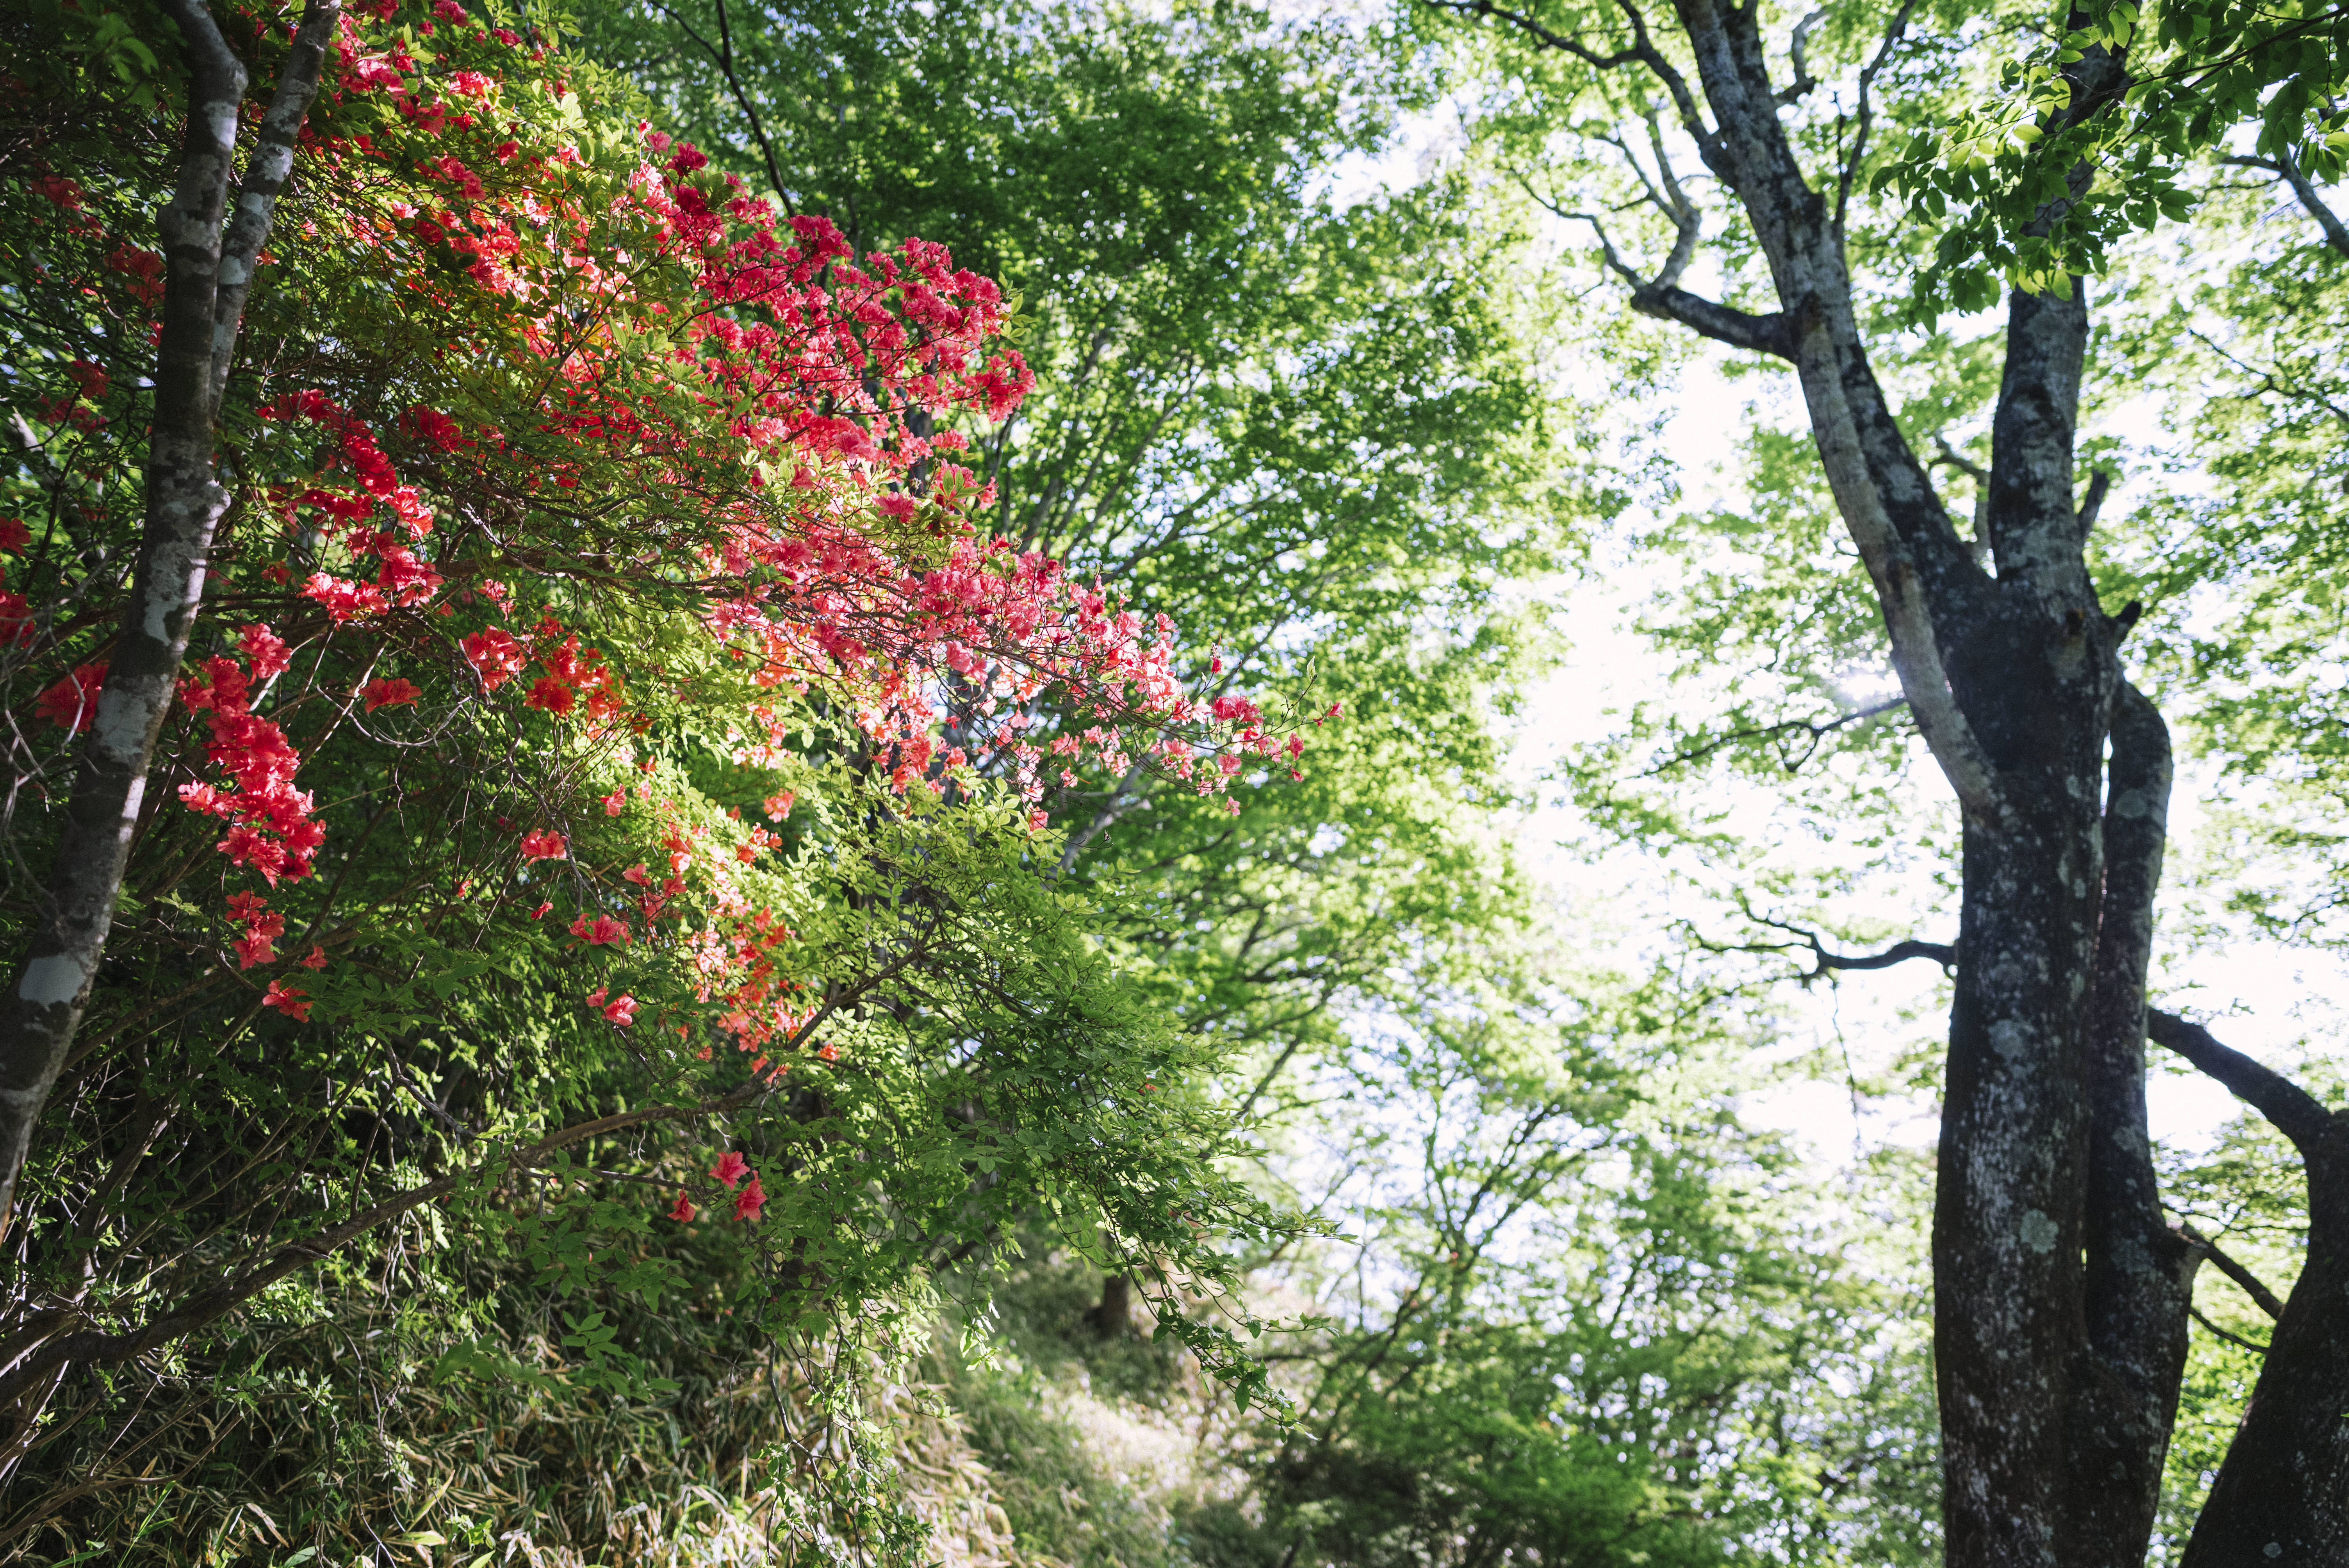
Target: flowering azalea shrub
<point x="602" y="807"/>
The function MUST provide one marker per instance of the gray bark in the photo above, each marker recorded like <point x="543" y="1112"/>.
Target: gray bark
<point x="211" y="273"/>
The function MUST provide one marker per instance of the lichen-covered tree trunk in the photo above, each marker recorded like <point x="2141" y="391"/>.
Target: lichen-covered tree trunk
<point x="2059" y="1294"/>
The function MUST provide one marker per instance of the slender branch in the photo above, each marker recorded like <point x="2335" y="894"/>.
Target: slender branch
<point x="2336" y="233"/>
<point x="721" y="55"/>
<point x="750" y="110"/>
<point x="1865" y="113"/>
<point x="2235" y="1339"/>
<point x="1642" y="52"/>
<point x="2253" y="1286"/>
<point x="1817" y="732"/>
<point x="2274" y="384"/>
<point x="1804" y="81"/>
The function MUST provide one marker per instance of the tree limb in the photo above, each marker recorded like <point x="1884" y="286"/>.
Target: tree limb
<point x="2336" y="233"/>
<point x="2296" y="1113"/>
<point x="1643" y="51"/>
<point x="2235" y="1339"/>
<point x="2253" y="1286"/>
<point x="1866" y="114"/>
<point x="1817" y="731"/>
<point x="1804" y="81"/>
<point x="722" y="55"/>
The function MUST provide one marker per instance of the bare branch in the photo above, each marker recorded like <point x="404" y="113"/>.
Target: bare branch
<point x="721" y="54"/>
<point x="1951" y="457"/>
<point x="1864" y="115"/>
<point x="2234" y="1339"/>
<point x="2296" y="1113"/>
<point x="1804" y="81"/>
<point x="2100" y="484"/>
<point x="2336" y="233"/>
<point x="1774" y="334"/>
<point x="1826" y="962"/>
<point x="2253" y="1286"/>
<point x="1642" y="52"/>
<point x="2274" y="383"/>
<point x="1815" y="729"/>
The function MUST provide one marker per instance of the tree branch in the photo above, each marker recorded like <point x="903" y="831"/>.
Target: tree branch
<point x="2336" y="233"/>
<point x="1804" y="81"/>
<point x="203" y="295"/>
<point x="1826" y="962"/>
<point x="2235" y="1339"/>
<point x="1773" y="334"/>
<point x="1642" y="52"/>
<point x="266" y="174"/>
<point x="1865" y="113"/>
<point x="1816" y="730"/>
<point x="2296" y="1113"/>
<point x="2100" y="484"/>
<point x="2253" y="1286"/>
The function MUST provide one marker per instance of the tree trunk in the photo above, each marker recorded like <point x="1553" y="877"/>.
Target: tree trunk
<point x="2061" y="1295"/>
<point x="2281" y="1498"/>
<point x="2059" y="1332"/>
<point x="204" y="305"/>
<point x="1113" y="1318"/>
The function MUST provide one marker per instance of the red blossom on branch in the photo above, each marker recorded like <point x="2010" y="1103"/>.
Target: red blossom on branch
<point x="286" y="1000"/>
<point x="748" y="1202"/>
<point x="73" y="701"/>
<point x="390" y="693"/>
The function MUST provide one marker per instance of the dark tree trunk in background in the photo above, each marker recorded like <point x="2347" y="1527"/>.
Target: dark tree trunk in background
<point x="1113" y="1318"/>
<point x="2061" y="1294"/>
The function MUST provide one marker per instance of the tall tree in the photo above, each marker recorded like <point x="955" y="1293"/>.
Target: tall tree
<point x="2061" y="1294"/>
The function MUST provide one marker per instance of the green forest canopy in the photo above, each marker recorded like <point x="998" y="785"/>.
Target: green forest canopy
<point x="1192" y="1123"/>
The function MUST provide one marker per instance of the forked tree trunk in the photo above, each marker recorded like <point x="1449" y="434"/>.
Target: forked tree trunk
<point x="2060" y="1294"/>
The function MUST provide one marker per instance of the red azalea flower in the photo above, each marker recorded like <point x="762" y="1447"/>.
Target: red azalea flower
<point x="286" y="1000"/>
<point x="389" y="693"/>
<point x="685" y="1211"/>
<point x="746" y="1206"/>
<point x="550" y="695"/>
<point x="544" y="846"/>
<point x="73" y="701"/>
<point x="622" y="1011"/>
<point x="731" y="1168"/>
<point x="605" y="929"/>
